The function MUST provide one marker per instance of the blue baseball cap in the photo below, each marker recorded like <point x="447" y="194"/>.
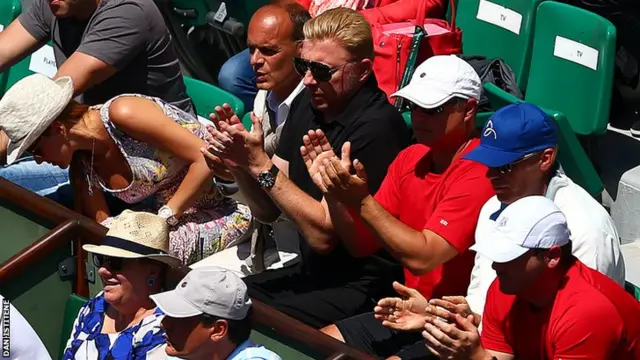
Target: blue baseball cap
<point x="512" y="132"/>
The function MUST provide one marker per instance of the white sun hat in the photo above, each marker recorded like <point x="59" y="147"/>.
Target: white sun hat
<point x="29" y="107"/>
<point x="136" y="235"/>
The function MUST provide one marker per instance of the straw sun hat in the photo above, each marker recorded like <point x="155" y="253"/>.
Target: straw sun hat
<point x="29" y="107"/>
<point x="137" y="235"/>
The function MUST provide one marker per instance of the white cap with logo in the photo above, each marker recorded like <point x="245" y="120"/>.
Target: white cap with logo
<point x="533" y="222"/>
<point x="208" y="290"/>
<point x="440" y="78"/>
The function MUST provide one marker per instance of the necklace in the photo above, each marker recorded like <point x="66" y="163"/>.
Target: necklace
<point x="90" y="174"/>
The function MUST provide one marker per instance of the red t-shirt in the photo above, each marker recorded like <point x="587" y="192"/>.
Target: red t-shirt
<point x="592" y="317"/>
<point x="447" y="204"/>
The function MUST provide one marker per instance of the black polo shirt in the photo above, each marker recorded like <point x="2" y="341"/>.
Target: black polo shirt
<point x="377" y="133"/>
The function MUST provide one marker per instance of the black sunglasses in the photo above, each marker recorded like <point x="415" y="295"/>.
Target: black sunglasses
<point x="505" y="169"/>
<point x="432" y="111"/>
<point x="321" y="72"/>
<point x="436" y="110"/>
<point x="113" y="263"/>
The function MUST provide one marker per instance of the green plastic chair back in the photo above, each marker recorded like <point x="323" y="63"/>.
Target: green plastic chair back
<point x="71" y="310"/>
<point x="632" y="289"/>
<point x="571" y="154"/>
<point x="9" y="10"/>
<point x="500" y="29"/>
<point x="206" y="97"/>
<point x="580" y="87"/>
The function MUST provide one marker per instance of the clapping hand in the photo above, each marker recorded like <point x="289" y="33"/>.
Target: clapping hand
<point x="405" y="313"/>
<point x="236" y="146"/>
<point x="332" y="174"/>
<point x="457" y="339"/>
<point x="315" y="149"/>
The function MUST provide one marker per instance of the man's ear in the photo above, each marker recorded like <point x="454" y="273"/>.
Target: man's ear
<point x="470" y="110"/>
<point x="552" y="256"/>
<point x="366" y="67"/>
<point x="219" y="330"/>
<point x="547" y="159"/>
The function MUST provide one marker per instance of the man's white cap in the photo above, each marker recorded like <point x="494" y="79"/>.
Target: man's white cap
<point x="439" y="79"/>
<point x="533" y="222"/>
<point x="206" y="290"/>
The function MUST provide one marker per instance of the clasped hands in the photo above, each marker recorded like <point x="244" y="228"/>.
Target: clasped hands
<point x="448" y="325"/>
<point x="231" y="143"/>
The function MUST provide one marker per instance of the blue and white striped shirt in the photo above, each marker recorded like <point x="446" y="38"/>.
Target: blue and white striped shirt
<point x="144" y="340"/>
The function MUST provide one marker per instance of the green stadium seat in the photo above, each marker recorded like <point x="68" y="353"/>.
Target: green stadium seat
<point x="206" y="97"/>
<point x="572" y="66"/>
<point x="571" y="155"/>
<point x="500" y="29"/>
<point x="632" y="289"/>
<point x="9" y="10"/>
<point x="71" y="310"/>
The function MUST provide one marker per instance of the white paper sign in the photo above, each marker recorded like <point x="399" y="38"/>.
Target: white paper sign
<point x="576" y="52"/>
<point x="500" y="16"/>
<point x="1" y="27"/>
<point x="43" y="61"/>
<point x="221" y="14"/>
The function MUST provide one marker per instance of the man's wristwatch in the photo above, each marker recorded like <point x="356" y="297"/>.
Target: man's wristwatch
<point x="267" y="179"/>
<point x="166" y="213"/>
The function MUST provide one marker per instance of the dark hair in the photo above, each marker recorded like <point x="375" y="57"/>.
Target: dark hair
<point x="70" y="115"/>
<point x="73" y="112"/>
<point x="566" y="253"/>
<point x="298" y="16"/>
<point x="238" y="330"/>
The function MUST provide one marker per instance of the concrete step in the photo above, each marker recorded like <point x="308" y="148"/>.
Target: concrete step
<point x="631" y="254"/>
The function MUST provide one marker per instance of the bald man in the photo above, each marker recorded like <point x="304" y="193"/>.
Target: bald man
<point x="273" y="36"/>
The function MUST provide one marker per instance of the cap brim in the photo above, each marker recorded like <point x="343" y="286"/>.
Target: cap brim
<point x="174" y="305"/>
<point x="492" y="157"/>
<point x="125" y="254"/>
<point x="428" y="98"/>
<point x="16" y="149"/>
<point x="498" y="250"/>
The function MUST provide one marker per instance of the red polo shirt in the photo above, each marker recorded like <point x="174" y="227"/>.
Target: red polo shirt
<point x="592" y="317"/>
<point x="447" y="204"/>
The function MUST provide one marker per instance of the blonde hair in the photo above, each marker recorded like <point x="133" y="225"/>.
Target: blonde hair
<point x="345" y="26"/>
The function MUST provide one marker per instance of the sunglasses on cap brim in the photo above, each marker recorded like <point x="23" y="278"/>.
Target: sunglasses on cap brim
<point x="321" y="72"/>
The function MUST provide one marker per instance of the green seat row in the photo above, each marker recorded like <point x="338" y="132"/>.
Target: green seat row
<point x="563" y="58"/>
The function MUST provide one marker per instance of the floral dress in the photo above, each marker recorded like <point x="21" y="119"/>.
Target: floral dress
<point x="212" y="224"/>
<point x="144" y="340"/>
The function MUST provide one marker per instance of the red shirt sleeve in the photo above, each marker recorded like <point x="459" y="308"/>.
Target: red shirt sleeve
<point x="456" y="216"/>
<point x="587" y="331"/>
<point x="494" y="318"/>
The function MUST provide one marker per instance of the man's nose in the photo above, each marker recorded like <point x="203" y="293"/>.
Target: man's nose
<point x="308" y="79"/>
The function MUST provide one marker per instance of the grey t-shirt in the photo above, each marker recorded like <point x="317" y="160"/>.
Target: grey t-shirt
<point x="129" y="35"/>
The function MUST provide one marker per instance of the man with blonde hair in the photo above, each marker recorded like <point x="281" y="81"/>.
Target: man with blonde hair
<point x="341" y="99"/>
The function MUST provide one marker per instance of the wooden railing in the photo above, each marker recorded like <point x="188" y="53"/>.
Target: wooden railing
<point x="72" y="226"/>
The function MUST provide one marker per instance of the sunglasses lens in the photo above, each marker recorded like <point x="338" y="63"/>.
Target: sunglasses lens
<point x="300" y="66"/>
<point x="113" y="263"/>
<point x="321" y="72"/>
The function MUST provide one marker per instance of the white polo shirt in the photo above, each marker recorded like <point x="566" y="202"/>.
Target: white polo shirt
<point x="595" y="241"/>
<point x="25" y="343"/>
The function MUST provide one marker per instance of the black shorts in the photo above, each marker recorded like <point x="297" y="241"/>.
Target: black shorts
<point x="367" y="334"/>
<point x="318" y="301"/>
